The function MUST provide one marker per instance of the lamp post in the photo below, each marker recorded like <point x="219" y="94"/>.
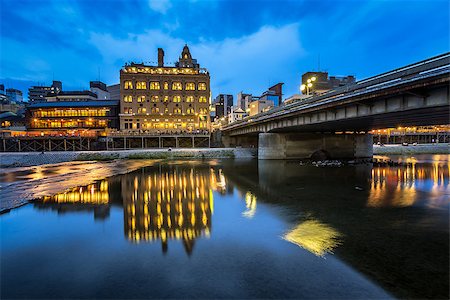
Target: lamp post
<point x="308" y="85"/>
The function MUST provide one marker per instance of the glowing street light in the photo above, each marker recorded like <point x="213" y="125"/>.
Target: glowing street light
<point x="308" y="85"/>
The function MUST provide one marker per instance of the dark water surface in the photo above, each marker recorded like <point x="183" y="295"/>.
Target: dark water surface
<point x="237" y="229"/>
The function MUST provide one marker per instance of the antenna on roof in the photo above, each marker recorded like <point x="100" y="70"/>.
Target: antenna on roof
<point x="318" y="63"/>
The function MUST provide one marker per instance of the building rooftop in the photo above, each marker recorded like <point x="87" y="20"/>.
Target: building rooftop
<point x="95" y="103"/>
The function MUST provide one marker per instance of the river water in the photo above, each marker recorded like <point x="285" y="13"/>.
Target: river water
<point x="236" y="229"/>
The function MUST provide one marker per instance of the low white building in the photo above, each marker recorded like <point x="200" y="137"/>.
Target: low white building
<point x="236" y="114"/>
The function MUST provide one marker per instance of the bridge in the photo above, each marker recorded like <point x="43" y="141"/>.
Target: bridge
<point x="337" y="124"/>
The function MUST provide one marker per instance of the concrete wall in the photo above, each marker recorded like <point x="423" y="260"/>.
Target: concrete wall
<point x="316" y="146"/>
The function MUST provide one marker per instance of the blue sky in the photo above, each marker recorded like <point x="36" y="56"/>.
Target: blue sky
<point x="246" y="45"/>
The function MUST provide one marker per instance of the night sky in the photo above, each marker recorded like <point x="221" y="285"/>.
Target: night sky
<point x="246" y="45"/>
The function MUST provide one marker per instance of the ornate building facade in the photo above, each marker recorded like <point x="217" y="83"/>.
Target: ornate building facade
<point x="165" y="100"/>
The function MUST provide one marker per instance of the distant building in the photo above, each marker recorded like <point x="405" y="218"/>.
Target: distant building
<point x="243" y="100"/>
<point x="260" y="106"/>
<point x="222" y="104"/>
<point x="114" y="91"/>
<point x="322" y="83"/>
<point x="236" y="114"/>
<point x="71" y="96"/>
<point x="14" y="95"/>
<point x="274" y="93"/>
<point x="163" y="99"/>
<point x="38" y="93"/>
<point x="100" y="89"/>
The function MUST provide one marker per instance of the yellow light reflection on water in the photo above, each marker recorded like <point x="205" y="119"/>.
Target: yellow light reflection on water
<point x="402" y="186"/>
<point x="315" y="237"/>
<point x="179" y="207"/>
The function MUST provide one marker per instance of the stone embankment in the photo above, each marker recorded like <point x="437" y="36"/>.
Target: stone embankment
<point x="25" y="159"/>
<point x="411" y="149"/>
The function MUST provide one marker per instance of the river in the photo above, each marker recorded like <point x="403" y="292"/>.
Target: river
<point x="235" y="229"/>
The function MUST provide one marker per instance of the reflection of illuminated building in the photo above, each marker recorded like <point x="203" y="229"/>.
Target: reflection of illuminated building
<point x="92" y="197"/>
<point x="316" y="237"/>
<point x="250" y="203"/>
<point x="401" y="186"/>
<point x="168" y="203"/>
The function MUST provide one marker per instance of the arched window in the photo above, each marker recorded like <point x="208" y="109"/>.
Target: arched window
<point x="155" y="110"/>
<point x="190" y="111"/>
<point x="177" y="111"/>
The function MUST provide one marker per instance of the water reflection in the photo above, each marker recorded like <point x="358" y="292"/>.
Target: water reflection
<point x="96" y="193"/>
<point x="314" y="236"/>
<point x="168" y="203"/>
<point x="402" y="186"/>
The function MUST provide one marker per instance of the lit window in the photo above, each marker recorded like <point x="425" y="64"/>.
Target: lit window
<point x="128" y="85"/>
<point x="166" y="99"/>
<point x="127" y="99"/>
<point x="177" y="111"/>
<point x="190" y="86"/>
<point x="190" y="111"/>
<point x="203" y="111"/>
<point x="177" y="86"/>
<point x="141" y="85"/>
<point x="155" y="110"/>
<point x="155" y="98"/>
<point x="176" y="98"/>
<point x="166" y="110"/>
<point x="166" y="85"/>
<point x="202" y="99"/>
<point x="154" y="85"/>
<point x="142" y="110"/>
<point x="190" y="99"/>
<point x="202" y="86"/>
<point x="128" y="110"/>
<point x="141" y="99"/>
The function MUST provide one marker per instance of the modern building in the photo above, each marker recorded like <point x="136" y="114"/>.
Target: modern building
<point x="243" y="100"/>
<point x="236" y="114"/>
<point x="274" y="93"/>
<point x="84" y="118"/>
<point x="260" y="106"/>
<point x="114" y="91"/>
<point x="222" y="105"/>
<point x="38" y="93"/>
<point x="100" y="89"/>
<point x="319" y="82"/>
<point x="14" y="95"/>
<point x="71" y="96"/>
<point x="165" y="99"/>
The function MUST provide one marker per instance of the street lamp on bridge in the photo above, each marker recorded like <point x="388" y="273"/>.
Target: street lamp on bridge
<point x="308" y="85"/>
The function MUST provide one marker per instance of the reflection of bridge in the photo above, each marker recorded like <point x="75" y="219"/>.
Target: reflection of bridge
<point x="416" y="94"/>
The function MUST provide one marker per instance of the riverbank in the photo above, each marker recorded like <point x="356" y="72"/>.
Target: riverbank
<point x="410" y="149"/>
<point x="27" y="159"/>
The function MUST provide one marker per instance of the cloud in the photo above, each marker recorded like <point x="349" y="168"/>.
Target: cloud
<point x="251" y="63"/>
<point x="161" y="6"/>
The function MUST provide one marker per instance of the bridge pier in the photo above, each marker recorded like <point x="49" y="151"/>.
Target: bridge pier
<point x="314" y="145"/>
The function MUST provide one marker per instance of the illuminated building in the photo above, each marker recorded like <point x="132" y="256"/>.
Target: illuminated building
<point x="413" y="134"/>
<point x="72" y="117"/>
<point x="169" y="203"/>
<point x="163" y="99"/>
